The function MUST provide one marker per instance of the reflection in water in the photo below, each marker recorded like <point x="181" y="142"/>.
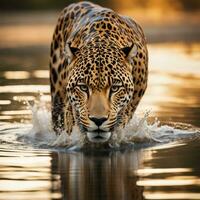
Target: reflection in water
<point x="172" y="196"/>
<point x="167" y="173"/>
<point x="16" y="75"/>
<point x="24" y="88"/>
<point x="178" y="172"/>
<point x="27" y="175"/>
<point x="130" y="174"/>
<point x="23" y="98"/>
<point x="174" y="78"/>
<point x="41" y="73"/>
<point x="177" y="58"/>
<point x="175" y="182"/>
<point x="5" y="102"/>
<point x="16" y="112"/>
<point x="148" y="171"/>
<point x="99" y="175"/>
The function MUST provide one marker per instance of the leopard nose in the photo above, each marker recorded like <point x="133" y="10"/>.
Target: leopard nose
<point x="98" y="121"/>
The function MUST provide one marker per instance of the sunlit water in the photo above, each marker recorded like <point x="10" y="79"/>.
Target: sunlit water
<point x="155" y="157"/>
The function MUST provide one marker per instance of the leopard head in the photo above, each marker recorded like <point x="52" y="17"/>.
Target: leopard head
<point x="99" y="87"/>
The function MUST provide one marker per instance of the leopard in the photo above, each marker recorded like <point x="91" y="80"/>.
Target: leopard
<point x="98" y="71"/>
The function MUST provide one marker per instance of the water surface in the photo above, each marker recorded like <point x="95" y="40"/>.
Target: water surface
<point x="167" y="171"/>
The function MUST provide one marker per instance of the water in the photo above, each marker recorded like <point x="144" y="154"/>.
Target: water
<point x="151" y="161"/>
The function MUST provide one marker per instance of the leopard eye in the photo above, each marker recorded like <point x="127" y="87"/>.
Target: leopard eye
<point x="83" y="87"/>
<point x="114" y="88"/>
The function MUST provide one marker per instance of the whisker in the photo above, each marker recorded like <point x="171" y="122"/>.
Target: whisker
<point x="83" y="127"/>
<point x="110" y="123"/>
<point x="82" y="120"/>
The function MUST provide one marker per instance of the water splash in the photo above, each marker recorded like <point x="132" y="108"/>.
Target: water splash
<point x="137" y="131"/>
<point x="40" y="134"/>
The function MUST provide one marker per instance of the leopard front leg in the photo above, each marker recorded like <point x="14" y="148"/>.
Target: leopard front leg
<point x="57" y="111"/>
<point x="62" y="115"/>
<point x="61" y="109"/>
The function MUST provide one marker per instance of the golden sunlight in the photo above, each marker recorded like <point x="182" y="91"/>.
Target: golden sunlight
<point x="24" y="88"/>
<point x="16" y="75"/>
<point x="172" y="195"/>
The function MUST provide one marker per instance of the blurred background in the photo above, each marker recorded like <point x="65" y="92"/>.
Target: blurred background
<point x="162" y="20"/>
<point x="172" y="30"/>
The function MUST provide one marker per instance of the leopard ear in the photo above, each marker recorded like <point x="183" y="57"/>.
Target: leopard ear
<point x="70" y="52"/>
<point x="130" y="52"/>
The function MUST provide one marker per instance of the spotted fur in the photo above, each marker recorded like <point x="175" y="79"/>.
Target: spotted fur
<point x="94" y="52"/>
